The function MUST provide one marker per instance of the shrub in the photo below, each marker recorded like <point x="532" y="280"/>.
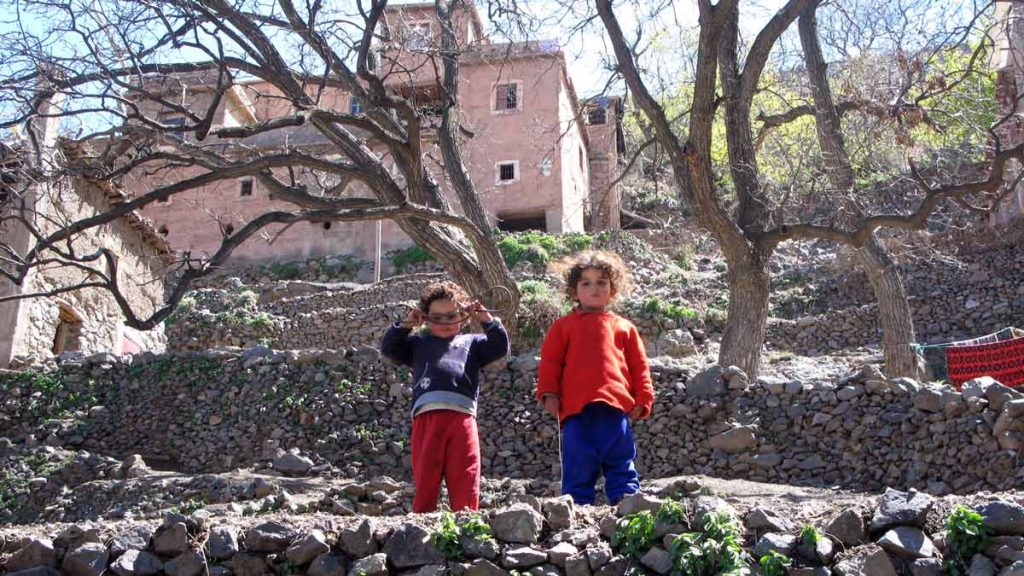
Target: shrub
<point x="655" y="306"/>
<point x="684" y="258"/>
<point x="714" y="319"/>
<point x="539" y="248"/>
<point x="402" y="259"/>
<point x="671" y="512"/>
<point x="284" y="270"/>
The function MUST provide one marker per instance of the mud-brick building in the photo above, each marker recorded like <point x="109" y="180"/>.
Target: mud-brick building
<point x="86" y="320"/>
<point x="539" y="156"/>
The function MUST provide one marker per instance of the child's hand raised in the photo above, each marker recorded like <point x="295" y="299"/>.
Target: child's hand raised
<point x="479" y="311"/>
<point x="413" y="319"/>
<point x="552" y="405"/>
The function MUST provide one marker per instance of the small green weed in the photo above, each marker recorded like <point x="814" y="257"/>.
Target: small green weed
<point x="634" y="533"/>
<point x="671" y="512"/>
<point x="189" y="506"/>
<point x="774" y="564"/>
<point x="714" y="551"/>
<point x="966" y="535"/>
<point x="809" y="535"/>
<point x="450" y="532"/>
<point x="684" y="258"/>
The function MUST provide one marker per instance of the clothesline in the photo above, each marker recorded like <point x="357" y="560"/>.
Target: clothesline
<point x="988" y="338"/>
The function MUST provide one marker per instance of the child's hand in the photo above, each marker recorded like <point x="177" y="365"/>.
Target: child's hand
<point x="413" y="319"/>
<point x="552" y="405"/>
<point x="636" y="413"/>
<point x="479" y="311"/>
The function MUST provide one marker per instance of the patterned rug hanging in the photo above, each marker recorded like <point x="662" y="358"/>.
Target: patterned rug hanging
<point x="1003" y="361"/>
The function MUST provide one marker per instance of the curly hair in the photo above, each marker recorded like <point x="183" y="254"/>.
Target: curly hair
<point x="442" y="291"/>
<point x="572" y="268"/>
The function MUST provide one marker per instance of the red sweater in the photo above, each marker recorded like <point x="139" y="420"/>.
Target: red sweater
<point x="595" y="356"/>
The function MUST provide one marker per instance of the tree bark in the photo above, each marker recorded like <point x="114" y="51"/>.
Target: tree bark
<point x="894" y="315"/>
<point x="743" y="338"/>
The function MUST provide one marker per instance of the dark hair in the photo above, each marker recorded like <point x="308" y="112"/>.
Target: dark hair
<point x="442" y="291"/>
<point x="572" y="268"/>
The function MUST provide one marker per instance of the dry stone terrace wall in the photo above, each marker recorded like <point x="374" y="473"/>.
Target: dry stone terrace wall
<point x="216" y="411"/>
<point x="943" y="316"/>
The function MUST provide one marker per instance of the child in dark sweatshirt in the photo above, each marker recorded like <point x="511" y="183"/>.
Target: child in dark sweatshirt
<point x="446" y="383"/>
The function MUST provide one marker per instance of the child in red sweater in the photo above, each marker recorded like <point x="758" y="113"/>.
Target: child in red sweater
<point x="594" y="377"/>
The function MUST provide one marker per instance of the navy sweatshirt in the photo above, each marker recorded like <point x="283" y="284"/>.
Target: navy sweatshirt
<point x="446" y="370"/>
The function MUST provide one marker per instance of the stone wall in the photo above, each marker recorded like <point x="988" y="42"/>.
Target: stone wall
<point x="944" y="316"/>
<point x="215" y="411"/>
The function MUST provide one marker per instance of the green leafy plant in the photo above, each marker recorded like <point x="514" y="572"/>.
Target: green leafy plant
<point x="285" y="270"/>
<point x="774" y="564"/>
<point x="634" y="533"/>
<point x="671" y="512"/>
<point x="809" y="535"/>
<point x="450" y="532"/>
<point x="716" y="550"/>
<point x="966" y="535"/>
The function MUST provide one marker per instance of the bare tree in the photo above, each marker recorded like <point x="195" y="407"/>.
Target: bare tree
<point x="726" y="78"/>
<point x="121" y="66"/>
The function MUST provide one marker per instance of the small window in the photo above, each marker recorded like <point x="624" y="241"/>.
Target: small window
<point x="418" y="36"/>
<point x="506" y="97"/>
<point x="229" y="229"/>
<point x="327" y="225"/>
<point x="163" y="200"/>
<point x="354" y="106"/>
<point x="245" y="188"/>
<point x="597" y="115"/>
<point x="508" y="172"/>
<point x="68" y="333"/>
<point x="163" y="230"/>
<point x="175" y="121"/>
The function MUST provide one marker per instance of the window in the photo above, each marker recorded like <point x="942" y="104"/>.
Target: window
<point x="354" y="106"/>
<point x="245" y="188"/>
<point x="597" y="115"/>
<point x="327" y="225"/>
<point x="229" y="229"/>
<point x="175" y="121"/>
<point x="164" y="200"/>
<point x="418" y="36"/>
<point x="506" y="97"/>
<point x="508" y="172"/>
<point x="163" y="230"/>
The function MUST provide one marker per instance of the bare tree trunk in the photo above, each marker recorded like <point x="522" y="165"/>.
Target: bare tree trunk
<point x="894" y="315"/>
<point x="743" y="337"/>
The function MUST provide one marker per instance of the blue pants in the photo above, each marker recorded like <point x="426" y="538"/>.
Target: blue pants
<point x="598" y="441"/>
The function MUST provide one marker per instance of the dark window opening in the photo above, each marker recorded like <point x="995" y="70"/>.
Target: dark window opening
<point x="506" y="172"/>
<point x="163" y="230"/>
<point x="506" y="97"/>
<point x="597" y="115"/>
<point x="229" y="229"/>
<point x="69" y="331"/>
<point x="327" y="225"/>
<point x="521" y="222"/>
<point x="246" y="188"/>
<point x="163" y="200"/>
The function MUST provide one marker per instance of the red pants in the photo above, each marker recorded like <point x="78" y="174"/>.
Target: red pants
<point x="445" y="445"/>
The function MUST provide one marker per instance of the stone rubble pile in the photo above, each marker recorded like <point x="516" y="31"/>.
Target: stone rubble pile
<point x="899" y="534"/>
